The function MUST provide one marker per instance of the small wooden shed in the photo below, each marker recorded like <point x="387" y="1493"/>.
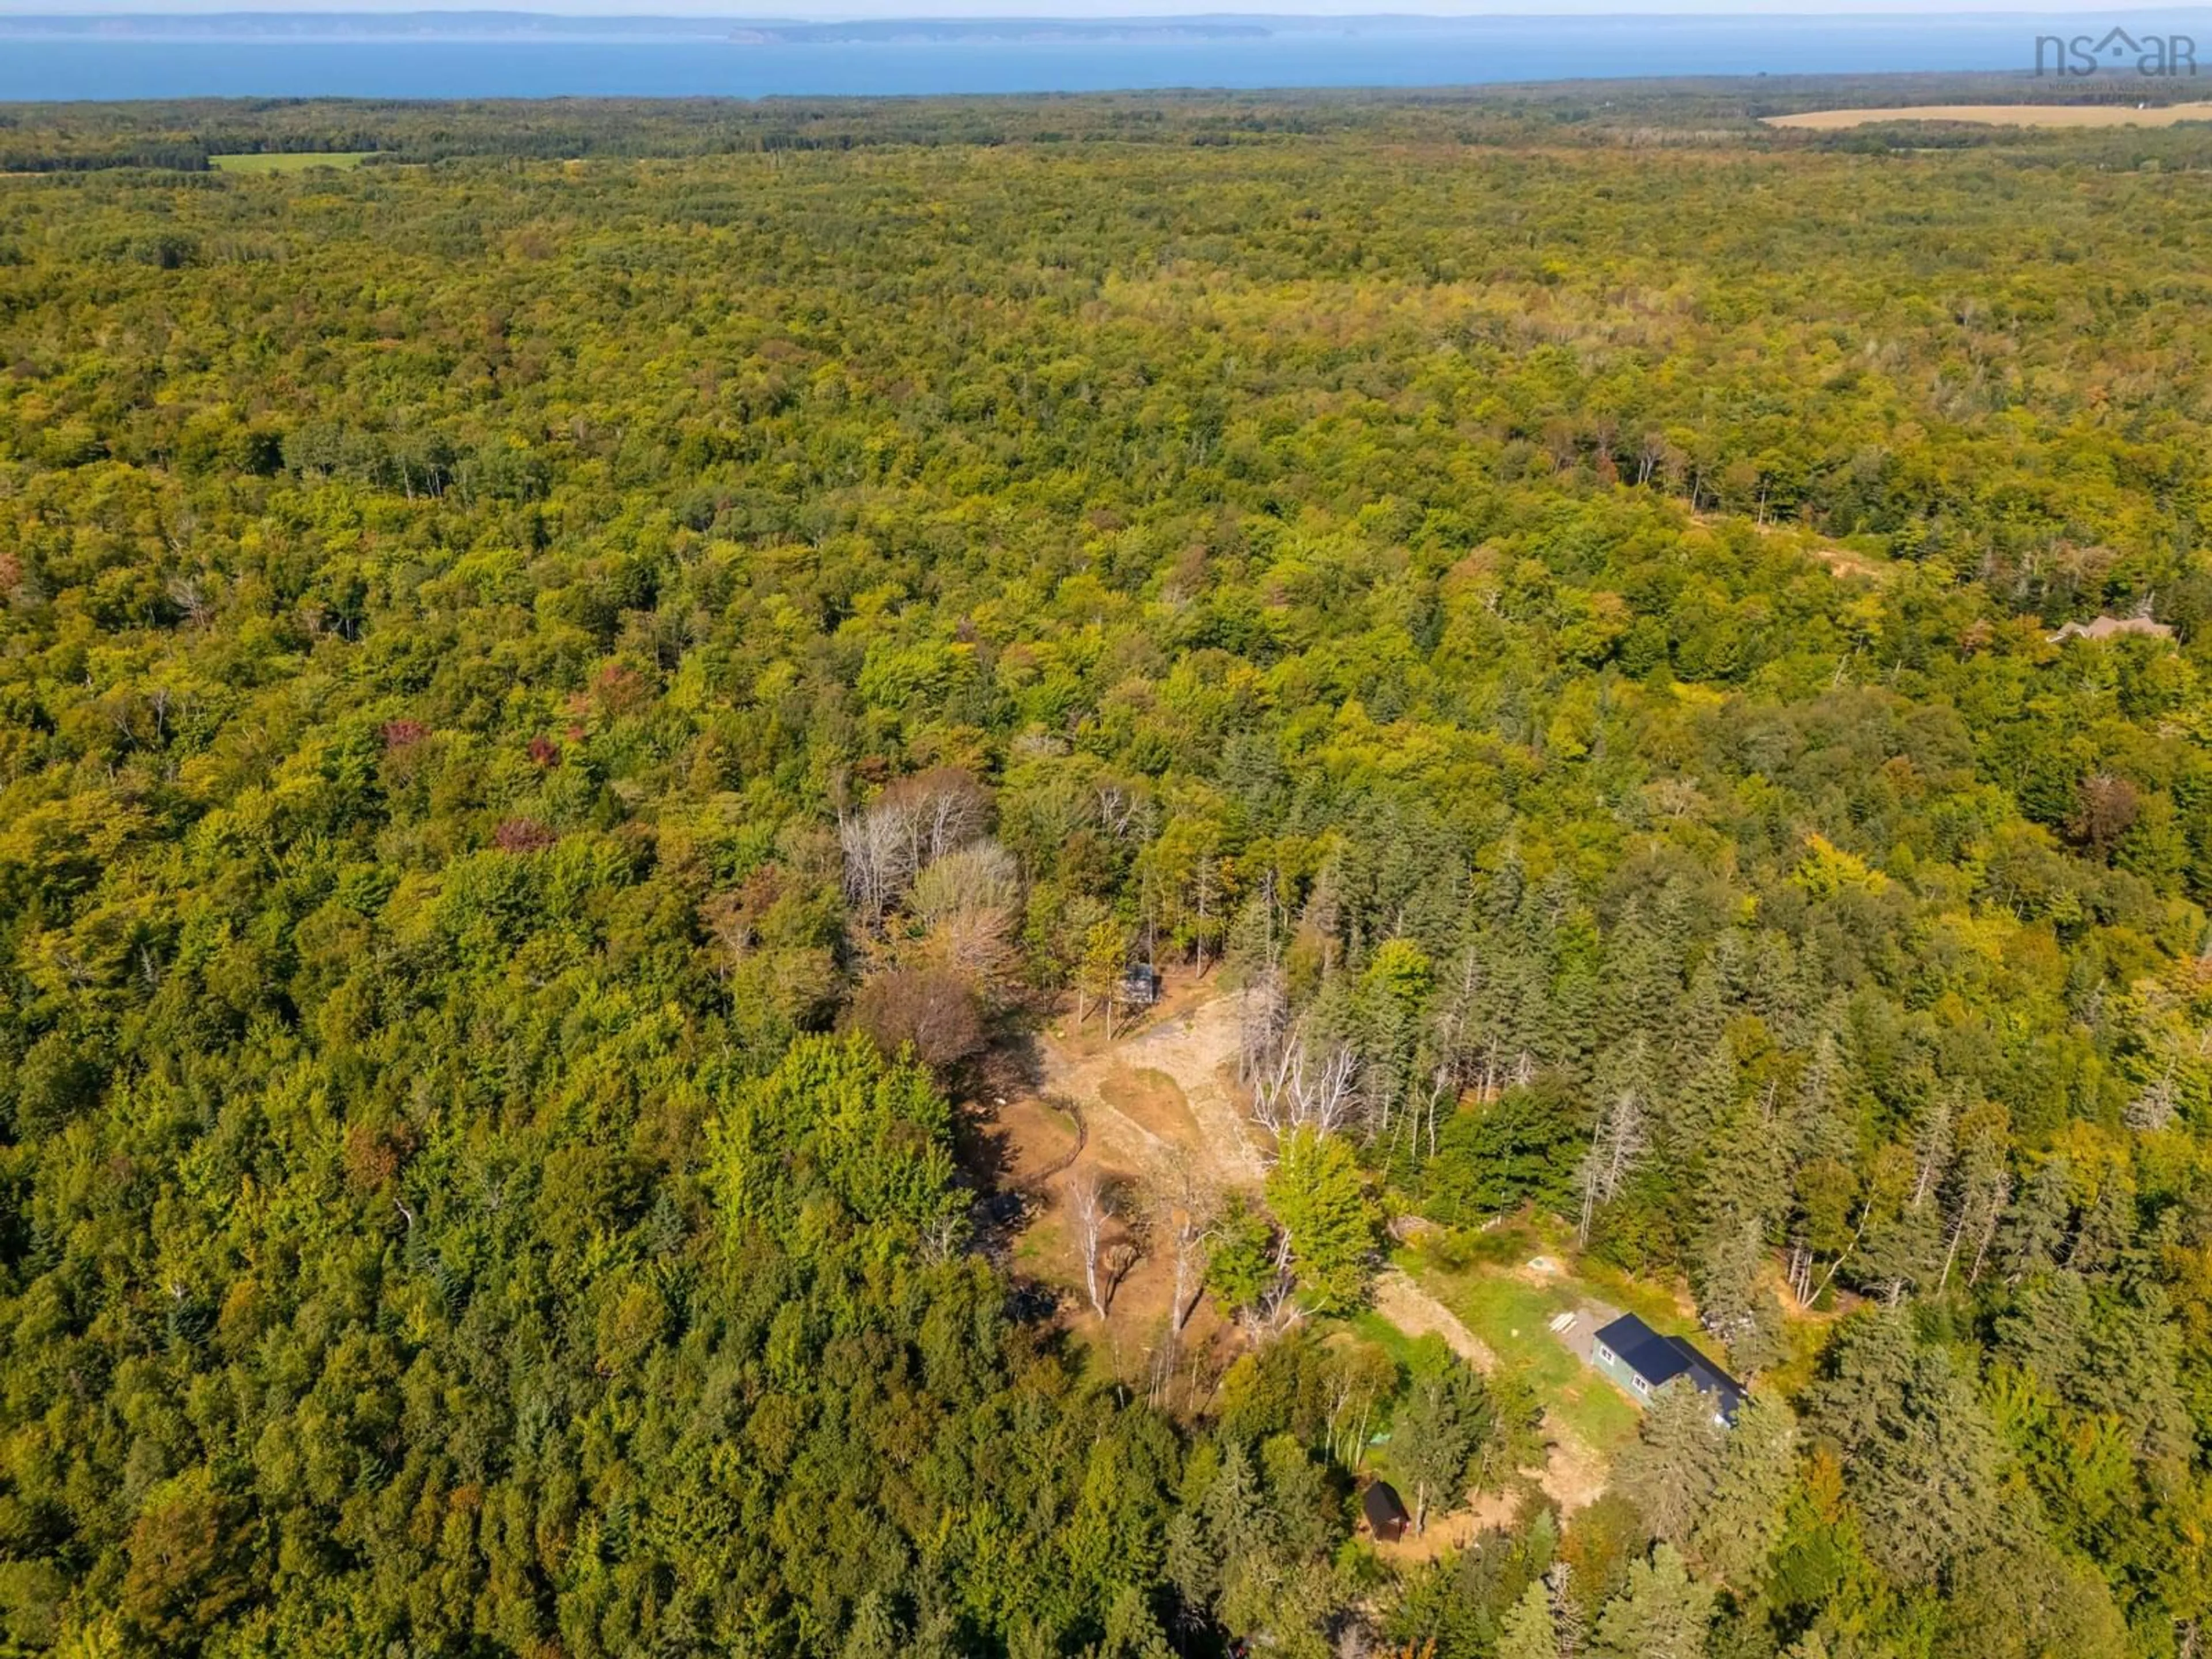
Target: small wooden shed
<point x="1386" y="1516"/>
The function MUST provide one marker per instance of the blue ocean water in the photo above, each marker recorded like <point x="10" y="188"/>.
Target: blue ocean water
<point x="1403" y="53"/>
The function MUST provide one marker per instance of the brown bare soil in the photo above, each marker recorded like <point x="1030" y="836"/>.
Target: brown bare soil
<point x="1034" y="1138"/>
<point x="1161" y="1093"/>
<point x="1141" y="1304"/>
<point x="2002" y="115"/>
<point x="1153" y="1102"/>
<point x="1574" y="1471"/>
<point x="1445" y="1533"/>
<point x="1189" y="1044"/>
<point x="1844" y="562"/>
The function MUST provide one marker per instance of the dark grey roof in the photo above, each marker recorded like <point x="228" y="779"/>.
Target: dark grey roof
<point x="1380" y="1502"/>
<point x="1660" y="1359"/>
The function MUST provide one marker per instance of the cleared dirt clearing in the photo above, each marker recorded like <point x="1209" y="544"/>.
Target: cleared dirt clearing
<point x="2003" y="115"/>
<point x="1133" y="1119"/>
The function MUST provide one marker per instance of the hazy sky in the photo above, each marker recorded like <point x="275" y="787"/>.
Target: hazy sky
<point x="2142" y="17"/>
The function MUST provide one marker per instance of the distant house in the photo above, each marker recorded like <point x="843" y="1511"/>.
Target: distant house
<point x="1642" y="1362"/>
<point x="1139" y="987"/>
<point x="1386" y="1516"/>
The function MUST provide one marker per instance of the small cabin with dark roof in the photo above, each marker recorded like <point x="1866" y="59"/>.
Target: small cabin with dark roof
<point x="1386" y="1516"/>
<point x="1642" y="1362"/>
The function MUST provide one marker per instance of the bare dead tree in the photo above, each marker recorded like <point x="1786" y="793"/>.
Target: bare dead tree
<point x="1263" y="1025"/>
<point x="1617" y="1146"/>
<point x="2155" y="1103"/>
<point x="1299" y="1089"/>
<point x="1204" y="873"/>
<point x="1183" y="1204"/>
<point x="1931" y="1152"/>
<point x="191" y="597"/>
<point x="946" y="809"/>
<point x="1275" y="1312"/>
<point x="1567" y="1616"/>
<point x="1981" y="1187"/>
<point x="1866" y="1214"/>
<point x="1270" y="1084"/>
<point x="1451" y="1046"/>
<point x="913" y="823"/>
<point x="941" y="1240"/>
<point x="1124" y="813"/>
<point x="1322" y="1092"/>
<point x="1088" y="1208"/>
<point x="1445" y="1083"/>
<point x="875" y="865"/>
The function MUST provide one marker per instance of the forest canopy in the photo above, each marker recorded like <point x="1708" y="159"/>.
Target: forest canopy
<point x="569" y="693"/>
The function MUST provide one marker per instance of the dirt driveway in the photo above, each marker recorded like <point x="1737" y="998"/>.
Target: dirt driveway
<point x="1581" y="1337"/>
<point x="1415" y="1312"/>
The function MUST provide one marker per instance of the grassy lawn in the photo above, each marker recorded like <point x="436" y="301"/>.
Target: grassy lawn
<point x="1513" y="1318"/>
<point x="1412" y="1353"/>
<point x="289" y="160"/>
<point x="1513" y="1315"/>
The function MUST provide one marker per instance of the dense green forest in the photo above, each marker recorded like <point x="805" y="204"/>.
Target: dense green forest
<point x="567" y="700"/>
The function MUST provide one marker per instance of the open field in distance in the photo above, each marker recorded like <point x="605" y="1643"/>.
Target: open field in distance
<point x="2003" y="115"/>
<point x="288" y="161"/>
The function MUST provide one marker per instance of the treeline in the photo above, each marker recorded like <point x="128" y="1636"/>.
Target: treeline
<point x="181" y="134"/>
<point x="177" y="156"/>
<point x="552" y="714"/>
